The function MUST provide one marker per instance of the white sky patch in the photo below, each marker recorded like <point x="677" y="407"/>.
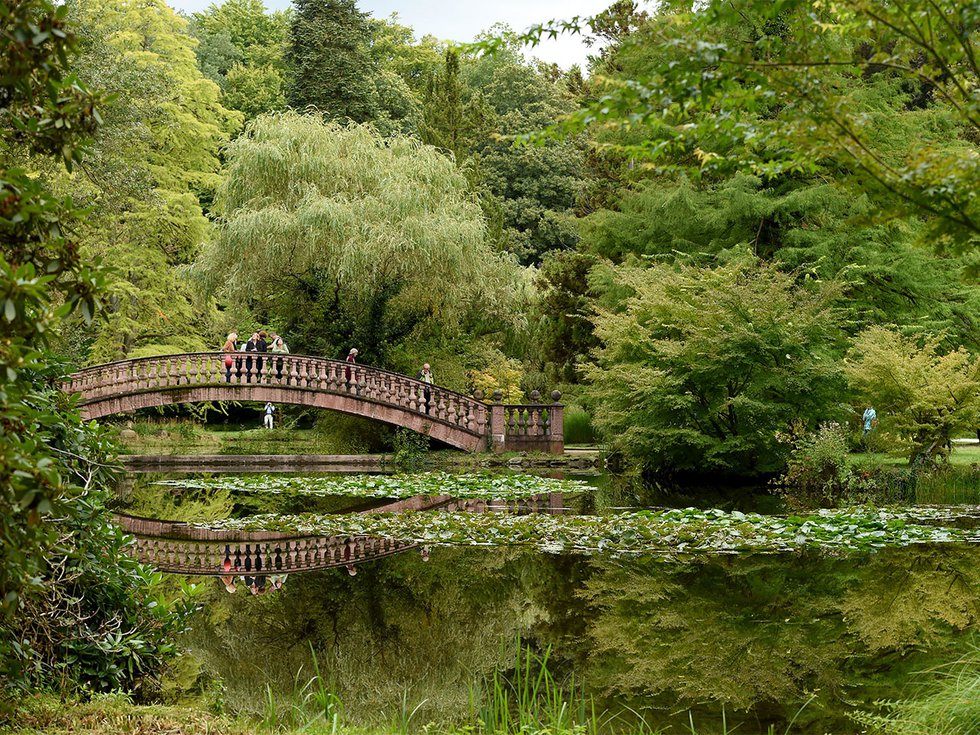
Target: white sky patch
<point x="452" y="20"/>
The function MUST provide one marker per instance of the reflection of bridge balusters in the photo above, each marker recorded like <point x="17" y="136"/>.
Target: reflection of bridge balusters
<point x="553" y="503"/>
<point x="454" y="418"/>
<point x="211" y="552"/>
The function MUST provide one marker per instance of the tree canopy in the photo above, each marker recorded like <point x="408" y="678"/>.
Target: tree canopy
<point x="342" y="237"/>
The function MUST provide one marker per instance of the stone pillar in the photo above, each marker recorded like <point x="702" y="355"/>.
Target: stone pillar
<point x="498" y="423"/>
<point x="556" y="411"/>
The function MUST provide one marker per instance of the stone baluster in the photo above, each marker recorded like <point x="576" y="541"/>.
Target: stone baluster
<point x="498" y="423"/>
<point x="556" y="424"/>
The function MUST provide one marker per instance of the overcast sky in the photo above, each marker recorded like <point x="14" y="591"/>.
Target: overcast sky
<point x="456" y="20"/>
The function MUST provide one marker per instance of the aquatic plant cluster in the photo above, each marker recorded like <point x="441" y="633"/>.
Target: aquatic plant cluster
<point x="476" y="485"/>
<point x="666" y="532"/>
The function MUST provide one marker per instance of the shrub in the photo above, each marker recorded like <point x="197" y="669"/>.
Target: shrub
<point x="820" y="474"/>
<point x="578" y="426"/>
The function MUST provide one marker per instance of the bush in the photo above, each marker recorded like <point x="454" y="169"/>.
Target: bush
<point x="578" y="426"/>
<point x="92" y="617"/>
<point x="411" y="449"/>
<point x="820" y="474"/>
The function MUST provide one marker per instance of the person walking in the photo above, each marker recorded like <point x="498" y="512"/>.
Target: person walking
<point x="870" y="419"/>
<point x="279" y="348"/>
<point x="425" y="375"/>
<point x="269" y="411"/>
<point x="228" y="348"/>
<point x="351" y="360"/>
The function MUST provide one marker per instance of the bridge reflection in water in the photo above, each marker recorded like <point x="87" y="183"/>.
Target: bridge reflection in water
<point x="182" y="548"/>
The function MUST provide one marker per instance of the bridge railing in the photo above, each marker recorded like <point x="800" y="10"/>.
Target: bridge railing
<point x="298" y="372"/>
<point x="535" y="426"/>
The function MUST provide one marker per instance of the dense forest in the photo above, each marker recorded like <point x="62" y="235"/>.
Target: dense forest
<point x="740" y="223"/>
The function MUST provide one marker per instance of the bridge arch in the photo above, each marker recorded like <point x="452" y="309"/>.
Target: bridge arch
<point x="128" y="385"/>
<point x="454" y="418"/>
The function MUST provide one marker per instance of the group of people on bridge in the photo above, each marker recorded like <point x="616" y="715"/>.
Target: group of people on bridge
<point x="262" y="342"/>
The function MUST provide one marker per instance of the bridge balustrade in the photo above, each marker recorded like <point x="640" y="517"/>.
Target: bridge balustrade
<point x="455" y="418"/>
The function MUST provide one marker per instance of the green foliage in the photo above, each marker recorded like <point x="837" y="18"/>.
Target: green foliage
<point x="332" y="69"/>
<point x="399" y="486"/>
<point x="43" y="278"/>
<point x="410" y="449"/>
<point x="347" y="239"/>
<point x="700" y="369"/>
<point x="687" y="531"/>
<point x="75" y="609"/>
<point x="148" y="177"/>
<point x="925" y="394"/>
<point x="578" y="426"/>
<point x="821" y="474"/>
<point x="530" y="699"/>
<point x="242" y="49"/>
<point x="566" y="334"/>
<point x="395" y="48"/>
<point x="778" y="87"/>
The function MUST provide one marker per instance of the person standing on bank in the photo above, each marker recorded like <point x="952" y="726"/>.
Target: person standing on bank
<point x="228" y="348"/>
<point x="269" y="411"/>
<point x="350" y="361"/>
<point x="425" y="375"/>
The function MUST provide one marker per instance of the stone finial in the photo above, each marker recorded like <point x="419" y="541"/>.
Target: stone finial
<point x="556" y="395"/>
<point x="478" y="394"/>
<point x="535" y="396"/>
<point x="498" y="396"/>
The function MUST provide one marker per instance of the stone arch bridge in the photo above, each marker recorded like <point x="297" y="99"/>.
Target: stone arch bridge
<point x="454" y="418"/>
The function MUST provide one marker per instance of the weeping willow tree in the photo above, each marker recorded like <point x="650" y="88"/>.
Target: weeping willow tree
<point x="339" y="237"/>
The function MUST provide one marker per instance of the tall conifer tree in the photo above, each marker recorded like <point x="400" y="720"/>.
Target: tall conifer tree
<point x="332" y="69"/>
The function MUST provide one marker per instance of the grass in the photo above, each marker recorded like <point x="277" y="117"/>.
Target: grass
<point x="947" y="702"/>
<point x="955" y="483"/>
<point x="108" y="715"/>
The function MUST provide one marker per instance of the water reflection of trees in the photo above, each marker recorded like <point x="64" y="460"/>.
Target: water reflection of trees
<point x="753" y="633"/>
<point x="763" y="632"/>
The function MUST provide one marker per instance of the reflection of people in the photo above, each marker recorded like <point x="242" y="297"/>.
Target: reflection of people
<point x="350" y="361"/>
<point x="425" y="553"/>
<point x="425" y="375"/>
<point x="269" y="410"/>
<point x="870" y="419"/>
<point x="351" y="569"/>
<point x="228" y="580"/>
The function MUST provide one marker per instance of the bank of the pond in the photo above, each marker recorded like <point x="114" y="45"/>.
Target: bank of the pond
<point x="574" y="459"/>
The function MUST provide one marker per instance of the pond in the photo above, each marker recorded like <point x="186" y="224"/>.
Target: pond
<point x="646" y="618"/>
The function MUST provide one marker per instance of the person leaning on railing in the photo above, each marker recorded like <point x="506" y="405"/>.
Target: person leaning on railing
<point x="227" y="348"/>
<point x="279" y="348"/>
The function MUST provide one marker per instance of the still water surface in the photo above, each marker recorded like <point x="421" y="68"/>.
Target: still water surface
<point x="666" y="639"/>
